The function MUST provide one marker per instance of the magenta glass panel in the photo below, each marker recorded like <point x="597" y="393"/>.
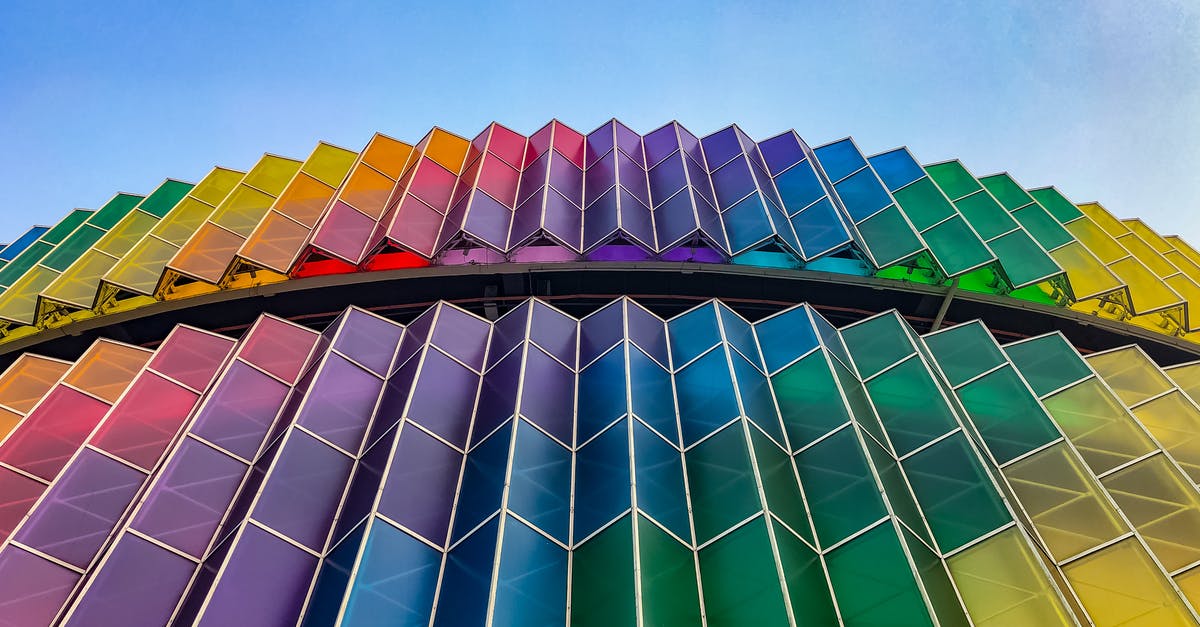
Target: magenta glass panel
<point x="278" y="347"/>
<point x="443" y="397"/>
<point x="421" y="483"/>
<point x="569" y="142"/>
<point x="190" y="496"/>
<point x="369" y="340"/>
<point x="32" y="589"/>
<point x="240" y="410"/>
<point x="507" y="144"/>
<point x="499" y="180"/>
<point x="264" y="583"/>
<point x="340" y="403"/>
<point x="433" y="184"/>
<point x="344" y="232"/>
<point x="191" y="356"/>
<point x="81" y="509"/>
<point x="303" y="489"/>
<point x="415" y="226"/>
<point x="17" y="494"/>
<point x="146" y="420"/>
<point x="52" y="432"/>
<point x="549" y="396"/>
<point x="536" y="254"/>
<point x="462" y="335"/>
<point x="138" y="586"/>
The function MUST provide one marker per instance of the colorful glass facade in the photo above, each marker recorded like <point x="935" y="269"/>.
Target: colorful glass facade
<point x="520" y="462"/>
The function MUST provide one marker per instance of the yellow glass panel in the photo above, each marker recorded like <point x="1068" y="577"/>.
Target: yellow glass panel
<point x="1187" y="266"/>
<point x="329" y="163"/>
<point x="367" y="191"/>
<point x="1148" y="292"/>
<point x="1148" y="234"/>
<point x="19" y="302"/>
<point x="1189" y="583"/>
<point x="1189" y="290"/>
<point x="387" y="155"/>
<point x="1102" y="217"/>
<point x="126" y="233"/>
<point x="1186" y="378"/>
<point x="1186" y="249"/>
<point x="77" y="286"/>
<point x="140" y="269"/>
<point x="183" y="221"/>
<point x="275" y="243"/>
<point x="1098" y="425"/>
<point x="1121" y="586"/>
<point x="216" y="185"/>
<point x="28" y="379"/>
<point x="107" y="368"/>
<point x="207" y="255"/>
<point x="1063" y="501"/>
<point x="447" y="149"/>
<point x="8" y="420"/>
<point x="1147" y="255"/>
<point x="304" y="200"/>
<point x="1096" y="240"/>
<point x="1175" y="422"/>
<point x="1002" y="584"/>
<point x="1130" y="374"/>
<point x="272" y="173"/>
<point x="243" y="209"/>
<point x="1089" y="278"/>
<point x="1163" y="506"/>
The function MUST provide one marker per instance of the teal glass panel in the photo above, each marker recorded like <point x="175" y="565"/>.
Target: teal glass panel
<point x="722" y="483"/>
<point x="652" y="395"/>
<point x="924" y="203"/>
<point x="602" y="584"/>
<point x="953" y="178"/>
<point x="1007" y="416"/>
<point x="910" y="406"/>
<point x="468" y="572"/>
<point x="842" y="493"/>
<point x="111" y="213"/>
<point x="807" y="589"/>
<point x="741" y="584"/>
<point x="780" y="485"/>
<point x="1045" y="229"/>
<point x="1006" y="191"/>
<point x="739" y="334"/>
<point x="540" y="489"/>
<point x="531" y="582"/>
<point x="73" y="247"/>
<point x="785" y="336"/>
<point x="898" y="493"/>
<point x="757" y="399"/>
<point x="873" y="583"/>
<point x="692" y="333"/>
<point x="877" y="343"/>
<point x="383" y="593"/>
<point x="985" y="214"/>
<point x="1057" y="204"/>
<point x="964" y="351"/>
<point x="809" y="400"/>
<point x="889" y="237"/>
<point x="706" y="397"/>
<point x="660" y="490"/>
<point x="668" y="577"/>
<point x="1047" y="363"/>
<point x="956" y="248"/>
<point x="958" y="498"/>
<point x="821" y="231"/>
<point x="1023" y="260"/>
<point x="602" y="480"/>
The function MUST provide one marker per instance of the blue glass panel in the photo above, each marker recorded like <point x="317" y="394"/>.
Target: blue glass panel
<point x="819" y="229"/>
<point x="785" y="336"/>
<point x="757" y="399"/>
<point x="652" y="395"/>
<point x="675" y="220"/>
<point x="732" y="182"/>
<point x="531" y="587"/>
<point x="602" y="480"/>
<point x="720" y="147"/>
<point x="469" y="575"/>
<point x="599" y="331"/>
<point x="839" y="159"/>
<point x="692" y="333"/>
<point x="738" y="333"/>
<point x="498" y="396"/>
<point x="540" y="489"/>
<point x="327" y="595"/>
<point x="667" y="178"/>
<point x="781" y="152"/>
<point x="385" y="593"/>
<point x="660" y="492"/>
<point x="554" y="331"/>
<point x="601" y="393"/>
<point x="862" y="195"/>
<point x="483" y="482"/>
<point x="896" y="168"/>
<point x="10" y="252"/>
<point x="706" y="399"/>
<point x="746" y="223"/>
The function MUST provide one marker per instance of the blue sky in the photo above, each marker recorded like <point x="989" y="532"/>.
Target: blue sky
<point x="1099" y="98"/>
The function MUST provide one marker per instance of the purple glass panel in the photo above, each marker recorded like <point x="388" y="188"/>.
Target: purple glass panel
<point x="693" y="255"/>
<point x="462" y="335"/>
<point x="632" y="177"/>
<point x="533" y="178"/>
<point x="465" y="184"/>
<point x="417" y="333"/>
<point x="264" y="583"/>
<point x="630" y="143"/>
<point x="239" y="412"/>
<point x="443" y="398"/>
<point x="139" y="585"/>
<point x="564" y="220"/>
<point x="781" y="152"/>
<point x="619" y="252"/>
<point x="32" y="589"/>
<point x="647" y="331"/>
<point x="660" y="143"/>
<point x="599" y="142"/>
<point x="454" y="221"/>
<point x="498" y="396"/>
<point x="420" y="486"/>
<point x="191" y="356"/>
<point x="537" y="254"/>
<point x="395" y="395"/>
<point x="364" y="486"/>
<point x="470" y="256"/>
<point x="554" y="331"/>
<point x="566" y="178"/>
<point x="636" y="220"/>
<point x="600" y="331"/>
<point x="416" y="226"/>
<point x="675" y="220"/>
<point x="488" y="220"/>
<point x="599" y="178"/>
<point x="600" y="219"/>
<point x="710" y="225"/>
<point x="192" y="493"/>
<point x="720" y="147"/>
<point x="341" y="402"/>
<point x="732" y="182"/>
<point x="666" y="178"/>
<point x="80" y="511"/>
<point x="549" y="396"/>
<point x="369" y="340"/>
<point x="700" y="180"/>
<point x="302" y="491"/>
<point x="539" y="142"/>
<point x="508" y="331"/>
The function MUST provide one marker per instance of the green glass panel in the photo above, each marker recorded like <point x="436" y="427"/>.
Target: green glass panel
<point x="898" y="494"/>
<point x="163" y="199"/>
<point x="953" y="178"/>
<point x="842" y="493"/>
<point x="779" y="483"/>
<point x="668" y="578"/>
<point x="910" y="406"/>
<point x="721" y="482"/>
<point x="985" y="214"/>
<point x="741" y="584"/>
<point x="911" y="275"/>
<point x="1023" y="260"/>
<point x="807" y="589"/>
<point x="877" y="343"/>
<point x="937" y="584"/>
<point x="964" y="351"/>
<point x="860" y="405"/>
<point x="1044" y="228"/>
<point x="924" y="203"/>
<point x="986" y="280"/>
<point x="809" y="400"/>
<point x="1006" y="191"/>
<point x="956" y="247"/>
<point x="1034" y="294"/>
<point x="66" y="226"/>
<point x="73" y="247"/>
<point x="602" y="585"/>
<point x="958" y="498"/>
<point x="1007" y="416"/>
<point x="1047" y="363"/>
<point x="889" y="237"/>
<point x="113" y="210"/>
<point x="873" y="582"/>
<point x="1056" y="204"/>
<point x="23" y="262"/>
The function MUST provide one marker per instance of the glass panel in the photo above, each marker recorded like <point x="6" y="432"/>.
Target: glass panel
<point x="1121" y="586"/>
<point x="1002" y="583"/>
<point x="1162" y="506"/>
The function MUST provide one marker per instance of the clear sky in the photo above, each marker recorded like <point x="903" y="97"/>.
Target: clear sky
<point x="1099" y="98"/>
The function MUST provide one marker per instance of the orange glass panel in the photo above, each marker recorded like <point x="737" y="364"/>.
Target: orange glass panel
<point x="207" y="254"/>
<point x="304" y="199"/>
<point x="8" y="420"/>
<point x="275" y="243"/>
<point x="28" y="379"/>
<point x="106" y="369"/>
<point x="447" y="149"/>
<point x="367" y="191"/>
<point x="387" y="155"/>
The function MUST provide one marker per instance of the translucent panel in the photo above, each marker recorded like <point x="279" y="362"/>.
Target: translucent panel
<point x="706" y="397"/>
<point x="241" y="211"/>
<point x="660" y="485"/>
<point x="923" y="203"/>
<point x="239" y="412"/>
<point x="540" y="485"/>
<point x="602" y="579"/>
<point x="35" y="588"/>
<point x="842" y="493"/>
<point x="809" y="400"/>
<point x="1089" y="278"/>
<point x="126" y="233"/>
<point x="910" y="405"/>
<point x="272" y="173"/>
<point x="1121" y="586"/>
<point x="381" y="592"/>
<point x="422" y="479"/>
<point x="1147" y="291"/>
<point x="207" y="255"/>
<point x="1055" y="203"/>
<point x="48" y="437"/>
<point x="839" y="159"/>
<point x="722" y="483"/>
<point x="741" y="586"/>
<point x="1007" y="191"/>
<point x="668" y="578"/>
<point x="265" y="581"/>
<point x="1067" y="507"/>
<point x="1007" y="416"/>
<point x="531" y="579"/>
<point x="140" y="584"/>
<point x="1002" y="583"/>
<point x="807" y="587"/>
<point x="139" y="270"/>
<point x="896" y="168"/>
<point x="780" y="486"/>
<point x="956" y="247"/>
<point x="387" y="155"/>
<point x="873" y="582"/>
<point x="964" y="351"/>
<point x="28" y="379"/>
<point x="482" y="482"/>
<point x="146" y="421"/>
<point x="1024" y="261"/>
<point x="1044" y="228"/>
<point x="1047" y="363"/>
<point x="877" y="343"/>
<point x="889" y="237"/>
<point x="275" y="243"/>
<point x="602" y="480"/>
<point x="1100" y="243"/>
<point x="953" y="178"/>
<point x="1098" y="425"/>
<point x="1163" y="506"/>
<point x="302" y="491"/>
<point x="468" y="571"/>
<point x="341" y="402"/>
<point x="278" y="347"/>
<point x="107" y="368"/>
<point x="1130" y="374"/>
<point x="955" y="493"/>
<point x="1174" y="421"/>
